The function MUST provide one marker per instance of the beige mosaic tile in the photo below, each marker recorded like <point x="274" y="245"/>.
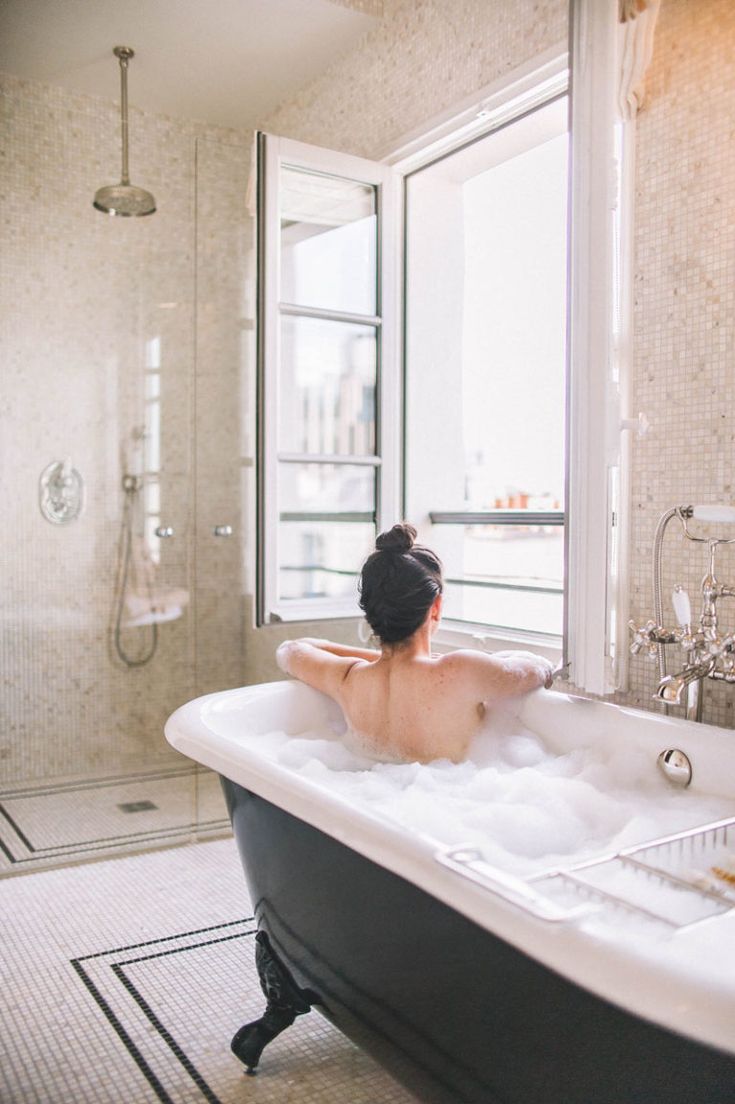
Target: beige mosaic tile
<point x="422" y="58"/>
<point x="684" y="318"/>
<point x="125" y="981"/>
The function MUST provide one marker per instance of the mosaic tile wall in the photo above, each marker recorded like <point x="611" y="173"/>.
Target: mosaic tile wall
<point x="92" y="305"/>
<point x="423" y="57"/>
<point x="685" y="311"/>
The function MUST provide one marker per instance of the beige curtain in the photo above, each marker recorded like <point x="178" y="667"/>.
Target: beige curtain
<point x="637" y="25"/>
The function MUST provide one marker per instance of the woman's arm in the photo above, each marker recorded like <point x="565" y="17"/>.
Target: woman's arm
<point x="499" y="675"/>
<point x="317" y="664"/>
<point x="348" y="650"/>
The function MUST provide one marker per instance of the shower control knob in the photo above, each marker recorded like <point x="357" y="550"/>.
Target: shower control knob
<point x="645" y="637"/>
<point x="222" y="530"/>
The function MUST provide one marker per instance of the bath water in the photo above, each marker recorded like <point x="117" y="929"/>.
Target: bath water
<point x="527" y="807"/>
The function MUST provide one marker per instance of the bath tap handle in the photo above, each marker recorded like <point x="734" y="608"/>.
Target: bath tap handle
<point x="649" y="636"/>
<point x="682" y="607"/>
<point x="714" y="513"/>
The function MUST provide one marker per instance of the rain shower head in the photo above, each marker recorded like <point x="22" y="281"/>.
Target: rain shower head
<point x="124" y="199"/>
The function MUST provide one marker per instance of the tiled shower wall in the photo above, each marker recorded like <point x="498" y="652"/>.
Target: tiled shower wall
<point x="88" y="301"/>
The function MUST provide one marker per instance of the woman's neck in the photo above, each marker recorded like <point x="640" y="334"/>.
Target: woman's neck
<point x="417" y="646"/>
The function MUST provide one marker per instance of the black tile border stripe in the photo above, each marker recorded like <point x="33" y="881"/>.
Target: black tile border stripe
<point x="153" y="835"/>
<point x="21" y="835"/>
<point x="164" y="939"/>
<point x="74" y="785"/>
<point x="69" y="850"/>
<point x="122" y="1034"/>
<point x="188" y="947"/>
<point x="129" y="986"/>
<point x="167" y="1037"/>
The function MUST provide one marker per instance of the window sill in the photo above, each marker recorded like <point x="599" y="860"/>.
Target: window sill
<point x="315" y="609"/>
<point x="461" y="634"/>
<point x="451" y="635"/>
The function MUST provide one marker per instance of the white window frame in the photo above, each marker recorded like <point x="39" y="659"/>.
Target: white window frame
<point x="601" y="203"/>
<point x="273" y="153"/>
<point x="526" y="89"/>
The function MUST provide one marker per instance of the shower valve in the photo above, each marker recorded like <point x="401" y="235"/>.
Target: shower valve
<point x="61" y="493"/>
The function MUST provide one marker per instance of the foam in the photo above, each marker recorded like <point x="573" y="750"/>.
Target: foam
<point x="527" y="807"/>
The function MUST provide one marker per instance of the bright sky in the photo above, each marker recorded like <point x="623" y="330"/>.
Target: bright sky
<point x="514" y="322"/>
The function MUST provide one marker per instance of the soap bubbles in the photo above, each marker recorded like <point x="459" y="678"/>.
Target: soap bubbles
<point x="525" y="805"/>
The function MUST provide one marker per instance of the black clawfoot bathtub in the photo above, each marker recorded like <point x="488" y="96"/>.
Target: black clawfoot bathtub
<point x="464" y="991"/>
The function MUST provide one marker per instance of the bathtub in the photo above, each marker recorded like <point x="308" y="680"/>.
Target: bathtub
<point x="468" y="983"/>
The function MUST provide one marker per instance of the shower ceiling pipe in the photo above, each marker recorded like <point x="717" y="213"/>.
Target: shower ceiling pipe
<point x="124" y="199"/>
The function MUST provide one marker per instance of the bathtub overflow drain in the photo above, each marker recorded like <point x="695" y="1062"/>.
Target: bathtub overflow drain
<point x="676" y="766"/>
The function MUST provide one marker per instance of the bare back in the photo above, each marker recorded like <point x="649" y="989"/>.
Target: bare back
<point x="420" y="708"/>
<point x="416" y="706"/>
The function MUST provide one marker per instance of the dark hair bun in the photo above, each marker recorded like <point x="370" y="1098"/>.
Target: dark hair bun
<point x="398" y="539"/>
<point x="399" y="582"/>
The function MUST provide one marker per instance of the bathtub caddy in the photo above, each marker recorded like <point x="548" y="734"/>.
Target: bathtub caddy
<point x="467" y="983"/>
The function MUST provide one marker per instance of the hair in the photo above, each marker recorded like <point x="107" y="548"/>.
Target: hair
<point x="398" y="584"/>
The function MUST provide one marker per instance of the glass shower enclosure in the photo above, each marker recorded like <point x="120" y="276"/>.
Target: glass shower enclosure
<point x="125" y="349"/>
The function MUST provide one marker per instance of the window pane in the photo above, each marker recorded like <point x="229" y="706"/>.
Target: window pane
<point x="322" y="559"/>
<point x="514" y="324"/>
<point x="542" y="613"/>
<point x="328" y="242"/>
<point x="326" y="489"/>
<point x="496" y="562"/>
<point x="486" y="364"/>
<point x="327" y="387"/>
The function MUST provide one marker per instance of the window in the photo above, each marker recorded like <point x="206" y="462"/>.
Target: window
<point x="502" y="445"/>
<point x="325" y="300"/>
<point x="486" y="277"/>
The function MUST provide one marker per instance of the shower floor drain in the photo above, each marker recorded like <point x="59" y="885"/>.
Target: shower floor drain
<point x="136" y="806"/>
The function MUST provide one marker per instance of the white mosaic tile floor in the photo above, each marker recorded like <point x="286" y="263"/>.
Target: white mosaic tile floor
<point x="124" y="980"/>
<point x="68" y="820"/>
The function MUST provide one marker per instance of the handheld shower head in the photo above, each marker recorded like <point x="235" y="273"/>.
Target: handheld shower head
<point x="124" y="199"/>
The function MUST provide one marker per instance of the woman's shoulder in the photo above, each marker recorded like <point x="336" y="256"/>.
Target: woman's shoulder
<point x="463" y="657"/>
<point x="502" y="668"/>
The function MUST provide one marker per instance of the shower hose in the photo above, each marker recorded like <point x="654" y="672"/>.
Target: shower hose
<point x="131" y="486"/>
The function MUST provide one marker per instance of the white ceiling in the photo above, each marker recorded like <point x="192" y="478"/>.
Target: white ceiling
<point x="227" y="62"/>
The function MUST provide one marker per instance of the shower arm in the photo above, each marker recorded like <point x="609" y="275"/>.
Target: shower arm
<point x="124" y="53"/>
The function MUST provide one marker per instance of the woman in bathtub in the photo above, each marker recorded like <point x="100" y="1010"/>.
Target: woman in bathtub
<point x="403" y="701"/>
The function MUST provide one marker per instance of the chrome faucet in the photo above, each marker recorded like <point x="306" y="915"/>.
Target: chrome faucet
<point x="707" y="653"/>
<point x="671" y="687"/>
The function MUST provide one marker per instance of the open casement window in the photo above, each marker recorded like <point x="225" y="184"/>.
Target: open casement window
<point x="328" y="465"/>
<point x="514" y="306"/>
